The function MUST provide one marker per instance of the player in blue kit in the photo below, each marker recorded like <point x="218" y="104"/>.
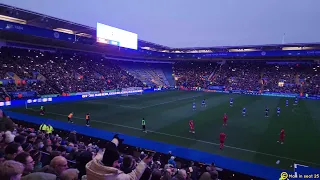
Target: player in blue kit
<point x="244" y="112"/>
<point x="203" y="103"/>
<point x="278" y="111"/>
<point x="231" y="102"/>
<point x="287" y="102"/>
<point x="194" y="106"/>
<point x="296" y="101"/>
<point x="267" y="112"/>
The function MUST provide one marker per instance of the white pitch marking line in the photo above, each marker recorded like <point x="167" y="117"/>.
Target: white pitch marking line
<point x="153" y="105"/>
<point x="192" y="139"/>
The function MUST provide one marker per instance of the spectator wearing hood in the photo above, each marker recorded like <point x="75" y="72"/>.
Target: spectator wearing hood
<point x="105" y="166"/>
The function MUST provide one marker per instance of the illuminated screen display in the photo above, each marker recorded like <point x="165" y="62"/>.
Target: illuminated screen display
<point x="118" y="37"/>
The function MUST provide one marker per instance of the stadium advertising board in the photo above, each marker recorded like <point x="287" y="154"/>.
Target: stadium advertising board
<point x="118" y="37"/>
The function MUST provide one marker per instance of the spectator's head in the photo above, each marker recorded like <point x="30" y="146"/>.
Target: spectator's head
<point x="62" y="149"/>
<point x="31" y="138"/>
<point x="69" y="174"/>
<point x="111" y="155"/>
<point x="182" y="174"/>
<point x="27" y="147"/>
<point x="156" y="174"/>
<point x="59" y="164"/>
<point x="12" y="150"/>
<point x="20" y="139"/>
<point x="26" y="160"/>
<point x="128" y="164"/>
<point x="36" y="155"/>
<point x="11" y="170"/>
<point x="9" y="137"/>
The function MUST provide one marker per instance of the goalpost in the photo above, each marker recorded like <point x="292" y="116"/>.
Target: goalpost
<point x="131" y="91"/>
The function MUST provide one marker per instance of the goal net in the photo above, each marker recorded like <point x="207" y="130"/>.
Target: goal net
<point x="131" y="91"/>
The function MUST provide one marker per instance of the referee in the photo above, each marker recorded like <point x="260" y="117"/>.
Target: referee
<point x="143" y="123"/>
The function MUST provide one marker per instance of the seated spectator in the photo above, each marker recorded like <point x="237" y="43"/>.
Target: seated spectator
<point x="211" y="173"/>
<point x="106" y="166"/>
<point x="27" y="147"/>
<point x="156" y="174"/>
<point x="69" y="174"/>
<point x="20" y="139"/>
<point x="81" y="162"/>
<point x="57" y="165"/>
<point x="11" y="170"/>
<point x="12" y="150"/>
<point x="128" y="164"/>
<point x="36" y="156"/>
<point x="9" y="137"/>
<point x="193" y="171"/>
<point x="27" y="162"/>
<point x="39" y="176"/>
<point x="182" y="175"/>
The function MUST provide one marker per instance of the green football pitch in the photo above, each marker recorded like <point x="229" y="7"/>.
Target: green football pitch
<point x="251" y="138"/>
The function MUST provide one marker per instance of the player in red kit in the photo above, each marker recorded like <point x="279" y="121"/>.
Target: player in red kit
<point x="225" y="118"/>
<point x="281" y="137"/>
<point x="191" y="125"/>
<point x="222" y="138"/>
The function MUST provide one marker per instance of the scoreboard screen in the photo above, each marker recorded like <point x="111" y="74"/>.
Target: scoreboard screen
<point x="118" y="37"/>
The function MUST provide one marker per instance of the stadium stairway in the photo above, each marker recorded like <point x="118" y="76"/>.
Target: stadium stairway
<point x="167" y="72"/>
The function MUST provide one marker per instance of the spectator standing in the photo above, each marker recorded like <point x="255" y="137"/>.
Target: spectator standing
<point x="105" y="165"/>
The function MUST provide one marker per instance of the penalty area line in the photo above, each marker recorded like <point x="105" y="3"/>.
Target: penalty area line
<point x="186" y="138"/>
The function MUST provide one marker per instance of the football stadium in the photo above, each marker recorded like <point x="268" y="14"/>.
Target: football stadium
<point x="76" y="99"/>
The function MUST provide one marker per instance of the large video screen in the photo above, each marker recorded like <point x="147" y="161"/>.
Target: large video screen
<point x="118" y="37"/>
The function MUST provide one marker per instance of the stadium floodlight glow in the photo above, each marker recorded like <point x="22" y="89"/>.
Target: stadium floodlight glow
<point x="12" y="19"/>
<point x="67" y="31"/>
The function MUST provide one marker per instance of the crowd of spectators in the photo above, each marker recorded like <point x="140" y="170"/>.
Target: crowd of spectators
<point x="28" y="153"/>
<point x="48" y="72"/>
<point x="252" y="76"/>
<point x="57" y="72"/>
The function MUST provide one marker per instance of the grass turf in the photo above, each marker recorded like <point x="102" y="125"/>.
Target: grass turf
<point x="252" y="138"/>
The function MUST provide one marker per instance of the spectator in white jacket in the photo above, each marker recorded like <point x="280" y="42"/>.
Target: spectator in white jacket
<point x="105" y="165"/>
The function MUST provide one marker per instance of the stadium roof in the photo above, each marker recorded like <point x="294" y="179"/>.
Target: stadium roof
<point x="18" y="15"/>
